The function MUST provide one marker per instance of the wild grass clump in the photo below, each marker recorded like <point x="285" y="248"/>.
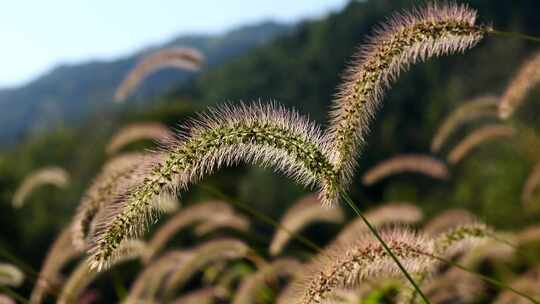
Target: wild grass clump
<point x="307" y="210"/>
<point x="247" y="291"/>
<point x="364" y="259"/>
<point x="205" y="212"/>
<point x="477" y="108"/>
<point x="82" y="276"/>
<point x="52" y="175"/>
<point x="417" y="163"/>
<point x="116" y="176"/>
<point x="476" y="138"/>
<point x="10" y="275"/>
<point x="523" y="82"/>
<point x="138" y="131"/>
<point x="406" y="39"/>
<point x="61" y="252"/>
<point x="388" y="254"/>
<point x="266" y="135"/>
<point x="173" y="57"/>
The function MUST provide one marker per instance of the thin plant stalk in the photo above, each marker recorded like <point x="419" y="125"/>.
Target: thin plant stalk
<point x="349" y="201"/>
<point x="514" y="35"/>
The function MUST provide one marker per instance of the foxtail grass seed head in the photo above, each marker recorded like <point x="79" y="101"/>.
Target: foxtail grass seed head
<point x="155" y="131"/>
<point x="234" y="221"/>
<point x="523" y="82"/>
<point x="262" y="134"/>
<point x="307" y="210"/>
<point x="202" y="256"/>
<point x="481" y="107"/>
<point x="115" y="176"/>
<point x="406" y="39"/>
<point x="454" y="286"/>
<point x="460" y="239"/>
<point x="201" y="212"/>
<point x="173" y="57"/>
<point x="449" y="243"/>
<point x="246" y="293"/>
<point x="228" y="281"/>
<point x="364" y="259"/>
<point x="477" y="138"/>
<point x="61" y="252"/>
<point x="10" y="275"/>
<point x="392" y="213"/>
<point x="417" y="163"/>
<point x="83" y="276"/>
<point x="448" y="220"/>
<point x="488" y="250"/>
<point x="52" y="175"/>
<point x="150" y="279"/>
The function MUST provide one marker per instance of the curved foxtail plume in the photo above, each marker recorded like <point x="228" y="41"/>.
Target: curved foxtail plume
<point x="447" y="244"/>
<point x="251" y="284"/>
<point x="10" y="275"/>
<point x="52" y="175"/>
<point x="490" y="249"/>
<point x="523" y="82"/>
<point x="393" y="213"/>
<point x="227" y="282"/>
<point x="482" y="107"/>
<point x="234" y="221"/>
<point x="60" y="253"/>
<point x="447" y="220"/>
<point x="148" y="282"/>
<point x="83" y="276"/>
<point x="265" y="135"/>
<point x="476" y="138"/>
<point x="417" y="163"/>
<point x="307" y="210"/>
<point x="530" y="185"/>
<point x="454" y="286"/>
<point x="348" y="267"/>
<point x="138" y="131"/>
<point x="201" y="212"/>
<point x="200" y="257"/>
<point x="173" y="57"/>
<point x="460" y="238"/>
<point x="406" y="39"/>
<point x="116" y="174"/>
<point x="344" y="296"/>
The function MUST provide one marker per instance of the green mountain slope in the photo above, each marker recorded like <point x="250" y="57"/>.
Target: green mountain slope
<point x="70" y="93"/>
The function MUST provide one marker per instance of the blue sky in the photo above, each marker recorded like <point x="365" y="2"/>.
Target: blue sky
<point x="36" y="35"/>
